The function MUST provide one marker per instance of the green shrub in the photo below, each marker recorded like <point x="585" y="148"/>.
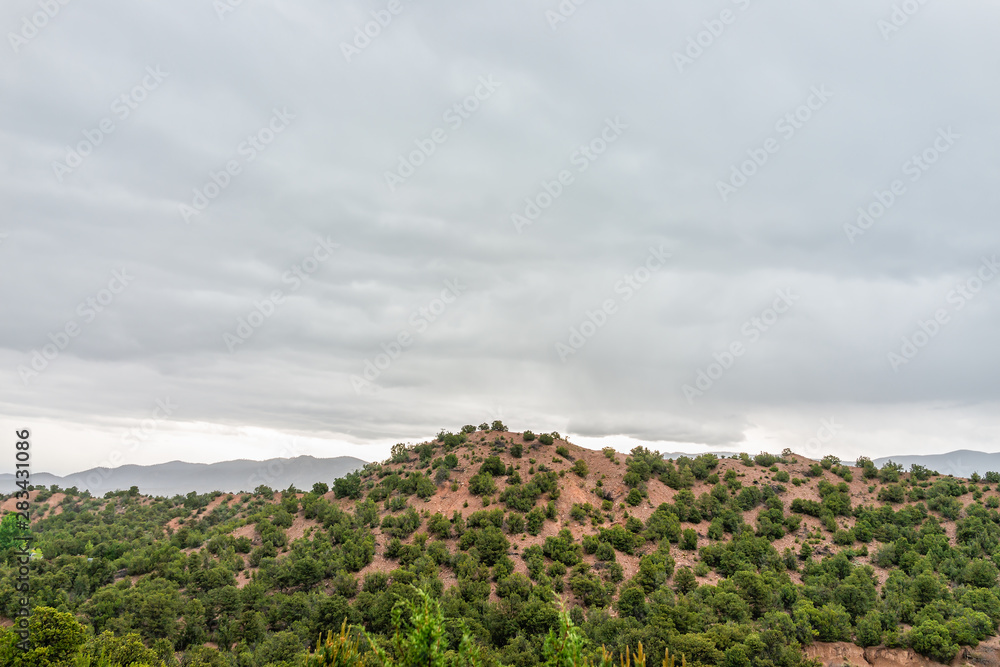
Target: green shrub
<point x="493" y="466"/>
<point x="933" y="640"/>
<point x="348" y="486"/>
<point x="535" y="520"/>
<point x="892" y="493"/>
<point x="420" y="637"/>
<point x="562" y="548"/>
<point x="685" y="581"/>
<point x="889" y="474"/>
<point x="605" y="552"/>
<point x="765" y="460"/>
<point x="482" y="484"/>
<point x="843" y="537"/>
<point x="439" y="525"/>
<point x="689" y="540"/>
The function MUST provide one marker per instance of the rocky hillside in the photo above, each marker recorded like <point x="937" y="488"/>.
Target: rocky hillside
<point x="759" y="560"/>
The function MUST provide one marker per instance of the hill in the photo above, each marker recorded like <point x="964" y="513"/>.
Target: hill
<point x="749" y="560"/>
<point x="178" y="477"/>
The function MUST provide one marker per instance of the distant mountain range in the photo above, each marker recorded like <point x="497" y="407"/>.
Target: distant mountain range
<point x="178" y="477"/>
<point x="960" y="463"/>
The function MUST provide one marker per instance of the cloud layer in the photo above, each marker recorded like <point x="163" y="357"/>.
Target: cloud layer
<point x="358" y="224"/>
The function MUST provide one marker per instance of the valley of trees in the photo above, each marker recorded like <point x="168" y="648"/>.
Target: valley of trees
<point x="536" y="552"/>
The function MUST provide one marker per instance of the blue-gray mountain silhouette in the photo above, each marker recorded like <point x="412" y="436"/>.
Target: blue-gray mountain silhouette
<point x="960" y="463"/>
<point x="178" y="477"/>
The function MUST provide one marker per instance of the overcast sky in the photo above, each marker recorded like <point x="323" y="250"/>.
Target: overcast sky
<point x="627" y="222"/>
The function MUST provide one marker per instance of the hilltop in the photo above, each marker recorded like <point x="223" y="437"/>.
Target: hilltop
<point x="748" y="560"/>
